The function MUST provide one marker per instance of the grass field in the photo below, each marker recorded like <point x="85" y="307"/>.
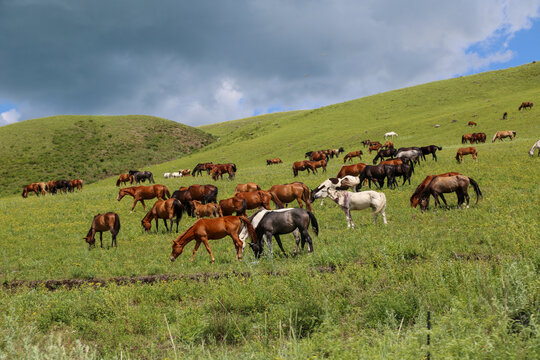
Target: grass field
<point x="363" y="293"/>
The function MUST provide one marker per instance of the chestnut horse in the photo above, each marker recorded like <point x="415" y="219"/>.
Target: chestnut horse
<point x="503" y="134"/>
<point x="375" y="147"/>
<point x="259" y="198"/>
<point x="353" y="170"/>
<point x="318" y="164"/>
<point x="141" y="193"/>
<point x="415" y="198"/>
<point x="76" y="183"/>
<point x="103" y="222"/>
<point x="200" y="167"/>
<point x="219" y="169"/>
<point x="478" y="138"/>
<point x="352" y="154"/>
<point x="203" y="193"/>
<point x="466" y="138"/>
<point x="51" y="186"/>
<point x="123" y="178"/>
<point x="231" y="205"/>
<point x="388" y="145"/>
<point x="317" y="156"/>
<point x="289" y="192"/>
<point x="246" y="188"/>
<point x="472" y="123"/>
<point x="212" y="229"/>
<point x="525" y="105"/>
<point x="381" y="154"/>
<point x="439" y="185"/>
<point x="163" y="209"/>
<point x="301" y="166"/>
<point x="466" y="151"/>
<point x="366" y="143"/>
<point x="33" y="187"/>
<point x="206" y="210"/>
<point x="273" y="161"/>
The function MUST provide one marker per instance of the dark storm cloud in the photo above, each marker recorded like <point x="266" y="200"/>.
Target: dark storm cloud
<point x="208" y="61"/>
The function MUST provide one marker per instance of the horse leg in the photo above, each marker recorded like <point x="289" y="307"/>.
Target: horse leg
<point x="300" y="202"/>
<point x="238" y="244"/>
<point x="278" y="239"/>
<point x="268" y="237"/>
<point x="157" y="225"/>
<point x="297" y="241"/>
<point x="306" y="237"/>
<point x="195" y="249"/>
<point x="165" y="222"/>
<point x="101" y="238"/>
<point x="445" y="203"/>
<point x="348" y="216"/>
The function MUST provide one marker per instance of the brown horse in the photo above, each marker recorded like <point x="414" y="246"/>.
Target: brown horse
<point x="219" y="169"/>
<point x="273" y="161"/>
<point x="525" y="105"/>
<point x="51" y="185"/>
<point x="212" y="229"/>
<point x="375" y="147"/>
<point x="472" y="123"/>
<point x="466" y="151"/>
<point x="163" y="209"/>
<point x="141" y="193"/>
<point x="76" y="184"/>
<point x="259" y="198"/>
<point x="466" y="138"/>
<point x="352" y="154"/>
<point x="415" y="198"/>
<point x="200" y="167"/>
<point x="366" y="143"/>
<point x="232" y="205"/>
<point x="246" y="188"/>
<point x="103" y="222"/>
<point x="478" y="138"/>
<point x="317" y="156"/>
<point x="301" y="166"/>
<point x="203" y="193"/>
<point x="318" y="164"/>
<point x="448" y="184"/>
<point x="123" y="178"/>
<point x="289" y="192"/>
<point x="388" y="145"/>
<point x="206" y="210"/>
<point x="392" y="162"/>
<point x="33" y="187"/>
<point x="353" y="170"/>
<point x="503" y="134"/>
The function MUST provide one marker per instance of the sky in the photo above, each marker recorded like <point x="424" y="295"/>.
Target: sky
<point x="202" y="62"/>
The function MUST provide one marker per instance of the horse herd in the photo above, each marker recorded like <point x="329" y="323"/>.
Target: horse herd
<point x="52" y="187"/>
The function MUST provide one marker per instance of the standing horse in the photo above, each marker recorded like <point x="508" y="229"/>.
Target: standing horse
<point x="412" y="153"/>
<point x="353" y="170"/>
<point x="200" y="167"/>
<point x="212" y="229"/>
<point x="317" y="164"/>
<point x="232" y="205"/>
<point x="280" y="222"/>
<point x="403" y="170"/>
<point x="343" y="183"/>
<point x="335" y="152"/>
<point x="141" y="193"/>
<point x="33" y="187"/>
<point x="503" y="134"/>
<point x="273" y="161"/>
<point x="123" y="178"/>
<point x="76" y="183"/>
<point x="163" y="209"/>
<point x="466" y="151"/>
<point x="466" y="138"/>
<point x="415" y="197"/>
<point x="384" y="154"/>
<point x="449" y="184"/>
<point x="525" y="105"/>
<point x="103" y="222"/>
<point x="301" y="166"/>
<point x="535" y="146"/>
<point x="431" y="149"/>
<point x="139" y="176"/>
<point x="388" y="145"/>
<point x="352" y="154"/>
<point x="259" y="198"/>
<point x="478" y="138"/>
<point x="289" y="192"/>
<point x="246" y="188"/>
<point x="372" y="173"/>
<point x="472" y="123"/>
<point x="317" y="156"/>
<point x="219" y="169"/>
<point x="206" y="210"/>
<point x="374" y="147"/>
<point x="390" y="134"/>
<point x="366" y="143"/>
<point x="203" y="193"/>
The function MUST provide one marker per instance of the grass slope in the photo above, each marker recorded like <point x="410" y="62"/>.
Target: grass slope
<point x="89" y="147"/>
<point x="475" y="270"/>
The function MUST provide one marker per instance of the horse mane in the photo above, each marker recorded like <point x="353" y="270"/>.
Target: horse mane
<point x="186" y="233"/>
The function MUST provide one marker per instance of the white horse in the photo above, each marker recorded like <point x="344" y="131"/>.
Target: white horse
<point x="166" y="175"/>
<point x="535" y="146"/>
<point x="176" y="174"/>
<point x="356" y="201"/>
<point x="343" y="183"/>
<point x="391" y="133"/>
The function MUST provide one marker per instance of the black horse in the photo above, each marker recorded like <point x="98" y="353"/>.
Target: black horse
<point x="392" y="171"/>
<point x="372" y="173"/>
<point x="284" y="221"/>
<point x="61" y="185"/>
<point x="139" y="176"/>
<point x="431" y="149"/>
<point x="388" y="153"/>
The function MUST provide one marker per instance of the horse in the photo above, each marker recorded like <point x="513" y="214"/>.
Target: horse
<point x="505" y="115"/>
<point x="139" y="176"/>
<point x="415" y="196"/>
<point x="466" y="138"/>
<point x="279" y="222"/>
<point x="185" y="172"/>
<point x="466" y="151"/>
<point x="61" y="185"/>
<point x="206" y="210"/>
<point x="123" y="178"/>
<point x="374" y="147"/>
<point x="33" y="187"/>
<point x="317" y="164"/>
<point x="352" y="154"/>
<point x="525" y="105"/>
<point x="317" y="156"/>
<point x="535" y="146"/>
<point x="212" y="229"/>
<point x="448" y="184"/>
<point x="390" y="134"/>
<point x="335" y="152"/>
<point x="163" y="209"/>
<point x="246" y="188"/>
<point x="403" y="170"/>
<point x="356" y="201"/>
<point x="220" y="169"/>
<point x="343" y="183"/>
<point x="103" y="222"/>
<point x="411" y="153"/>
<point x="478" y="138"/>
<point x="259" y="198"/>
<point x="366" y="143"/>
<point x="287" y="193"/>
<point x="141" y="193"/>
<point x="472" y="123"/>
<point x="232" y="205"/>
<point x="381" y="154"/>
<point x="372" y="173"/>
<point x="431" y="149"/>
<point x="76" y="183"/>
<point x="353" y="170"/>
<point x="388" y="145"/>
<point x="200" y="167"/>
<point x="43" y="187"/>
<point x="51" y="186"/>
<point x="273" y="161"/>
<point x="203" y="193"/>
<point x="301" y="166"/>
<point x="503" y="134"/>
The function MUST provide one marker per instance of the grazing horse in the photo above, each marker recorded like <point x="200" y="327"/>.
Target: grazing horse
<point x="220" y="169"/>
<point x="60" y="185"/>
<point x="390" y="134"/>
<point x="412" y="154"/>
<point x="353" y="170"/>
<point x="449" y="184"/>
<point x="273" y="161"/>
<point x="388" y="145"/>
<point x="335" y="152"/>
<point x="203" y="193"/>
<point x="372" y="173"/>
<point x="301" y="166"/>
<point x="505" y="115"/>
<point x="466" y="151"/>
<point x="200" y="167"/>
<point x="232" y="205"/>
<point x="212" y="229"/>
<point x="472" y="123"/>
<point x="139" y="176"/>
<point x="289" y="192"/>
<point x="352" y="154"/>
<point x="103" y="222"/>
<point x="356" y="201"/>
<point x="503" y="134"/>
<point x="466" y="138"/>
<point x="317" y="164"/>
<point x="164" y="209"/>
<point x="280" y="222"/>
<point x="366" y="143"/>
<point x="141" y="193"/>
<point x="33" y="187"/>
<point x="381" y="154"/>
<point x="43" y="187"/>
<point x="246" y="188"/>
<point x="185" y="172"/>
<point x="317" y="156"/>
<point x="431" y="149"/>
<point x="478" y="138"/>
<point x="206" y="210"/>
<point x="259" y="198"/>
<point x="374" y="147"/>
<point x="525" y="105"/>
<point x="535" y="146"/>
<point x="403" y="170"/>
<point x="76" y="183"/>
<point x="123" y="178"/>
<point x="343" y="183"/>
<point x="415" y="197"/>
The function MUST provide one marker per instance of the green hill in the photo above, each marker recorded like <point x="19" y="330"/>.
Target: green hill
<point x="89" y="147"/>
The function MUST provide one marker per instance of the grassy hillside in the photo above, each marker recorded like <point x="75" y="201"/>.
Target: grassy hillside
<point x="363" y="293"/>
<point x="89" y="147"/>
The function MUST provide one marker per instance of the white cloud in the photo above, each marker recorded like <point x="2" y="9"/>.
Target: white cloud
<point x="10" y="116"/>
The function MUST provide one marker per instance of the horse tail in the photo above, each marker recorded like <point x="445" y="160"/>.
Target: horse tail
<point x="306" y="195"/>
<point x="494" y="137"/>
<point x="295" y="172"/>
<point x="212" y="196"/>
<point x="382" y="204"/>
<point x="476" y="189"/>
<point x="276" y="200"/>
<point x="250" y="229"/>
<point x="439" y="147"/>
<point x="314" y="223"/>
<point x="243" y="208"/>
<point x="116" y="223"/>
<point x="178" y="209"/>
<point x="118" y="182"/>
<point x="167" y="194"/>
<point x="513" y="132"/>
<point x="412" y="165"/>
<point x="457" y="156"/>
